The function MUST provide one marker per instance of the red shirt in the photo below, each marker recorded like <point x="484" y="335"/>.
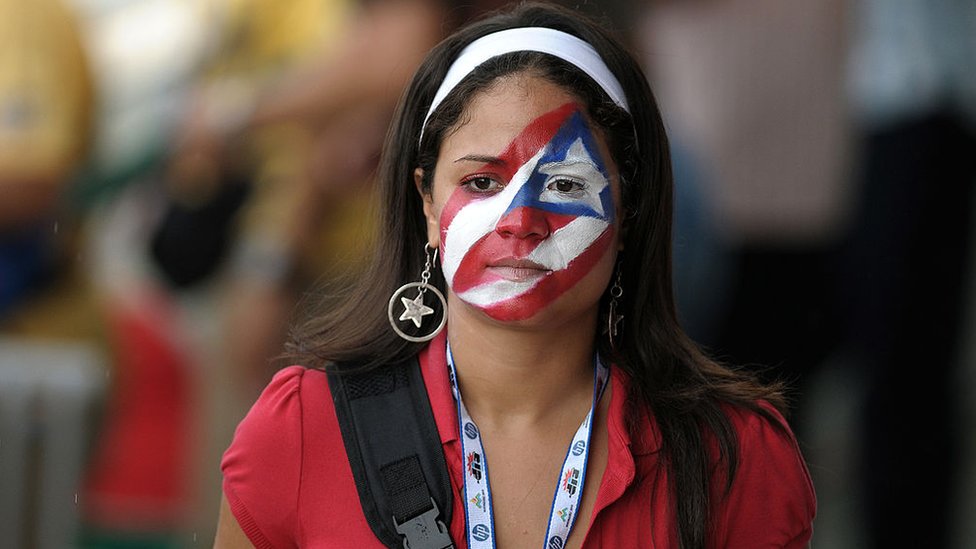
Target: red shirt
<point x="289" y="484"/>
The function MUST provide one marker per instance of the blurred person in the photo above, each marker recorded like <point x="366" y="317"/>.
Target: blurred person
<point x="496" y="150"/>
<point x="136" y="490"/>
<point x="46" y="101"/>
<point x="907" y="260"/>
<point x="219" y="187"/>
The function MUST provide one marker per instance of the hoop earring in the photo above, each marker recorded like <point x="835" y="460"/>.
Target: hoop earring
<point x="415" y="309"/>
<point x="614" y="318"/>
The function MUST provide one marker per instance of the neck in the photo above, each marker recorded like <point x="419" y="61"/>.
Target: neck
<point x="522" y="377"/>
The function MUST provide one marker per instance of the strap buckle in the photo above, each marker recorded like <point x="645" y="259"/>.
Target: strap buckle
<point x="425" y="531"/>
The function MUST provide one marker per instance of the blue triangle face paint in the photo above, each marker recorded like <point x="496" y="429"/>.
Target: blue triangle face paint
<point x="572" y="157"/>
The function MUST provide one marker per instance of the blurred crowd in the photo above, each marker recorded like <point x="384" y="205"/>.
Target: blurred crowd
<point x="177" y="177"/>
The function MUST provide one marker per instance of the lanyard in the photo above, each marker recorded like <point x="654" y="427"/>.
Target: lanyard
<point x="478" y="514"/>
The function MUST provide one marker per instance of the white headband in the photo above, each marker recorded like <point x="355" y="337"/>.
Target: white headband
<point x="553" y="42"/>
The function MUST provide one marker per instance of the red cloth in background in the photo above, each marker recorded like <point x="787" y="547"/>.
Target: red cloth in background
<point x="138" y="476"/>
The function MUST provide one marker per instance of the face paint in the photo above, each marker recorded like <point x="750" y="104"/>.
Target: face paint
<point x="533" y="234"/>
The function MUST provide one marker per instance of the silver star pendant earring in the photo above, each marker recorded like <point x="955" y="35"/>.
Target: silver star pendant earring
<point x="414" y="310"/>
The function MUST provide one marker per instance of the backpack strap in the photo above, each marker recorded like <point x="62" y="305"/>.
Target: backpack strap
<point x="395" y="453"/>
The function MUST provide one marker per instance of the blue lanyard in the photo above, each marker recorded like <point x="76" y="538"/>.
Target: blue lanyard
<point x="478" y="515"/>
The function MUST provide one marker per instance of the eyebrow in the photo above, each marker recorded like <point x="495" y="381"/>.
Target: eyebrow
<point x="484" y="158"/>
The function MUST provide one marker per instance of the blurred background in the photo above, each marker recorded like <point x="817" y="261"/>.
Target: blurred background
<point x="177" y="175"/>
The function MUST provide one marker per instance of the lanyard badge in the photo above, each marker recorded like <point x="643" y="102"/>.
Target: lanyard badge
<point x="569" y="487"/>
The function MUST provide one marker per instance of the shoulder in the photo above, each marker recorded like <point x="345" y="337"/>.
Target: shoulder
<point x="273" y="417"/>
<point x="771" y="502"/>
<point x="262" y="468"/>
<point x="273" y="423"/>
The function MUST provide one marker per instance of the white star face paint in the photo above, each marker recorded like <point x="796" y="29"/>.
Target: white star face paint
<point x="517" y="239"/>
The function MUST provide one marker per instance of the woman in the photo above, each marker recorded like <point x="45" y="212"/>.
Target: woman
<point x="526" y="177"/>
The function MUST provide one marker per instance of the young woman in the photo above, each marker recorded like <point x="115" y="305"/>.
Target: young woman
<point x="526" y="178"/>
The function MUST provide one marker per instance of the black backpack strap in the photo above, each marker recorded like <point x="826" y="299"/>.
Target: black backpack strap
<point x="395" y="453"/>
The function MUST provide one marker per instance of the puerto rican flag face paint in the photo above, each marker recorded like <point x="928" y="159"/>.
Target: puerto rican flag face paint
<point x="517" y="239"/>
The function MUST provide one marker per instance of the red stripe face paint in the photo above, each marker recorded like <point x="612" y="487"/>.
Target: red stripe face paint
<point x="517" y="239"/>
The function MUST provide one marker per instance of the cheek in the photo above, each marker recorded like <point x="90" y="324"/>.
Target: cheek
<point x="452" y="253"/>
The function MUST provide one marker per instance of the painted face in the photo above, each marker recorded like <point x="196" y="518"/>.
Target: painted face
<point x="528" y="225"/>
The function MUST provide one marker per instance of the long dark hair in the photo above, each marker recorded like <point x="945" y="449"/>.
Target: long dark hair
<point x="684" y="389"/>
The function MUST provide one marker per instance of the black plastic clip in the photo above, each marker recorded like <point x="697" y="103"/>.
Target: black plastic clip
<point x="425" y="531"/>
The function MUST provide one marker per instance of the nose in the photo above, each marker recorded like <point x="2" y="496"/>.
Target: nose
<point x="524" y="222"/>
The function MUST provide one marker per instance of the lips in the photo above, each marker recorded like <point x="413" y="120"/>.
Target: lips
<point x="517" y="269"/>
<point x="496" y="259"/>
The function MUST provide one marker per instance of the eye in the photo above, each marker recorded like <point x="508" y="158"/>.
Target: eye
<point x="481" y="184"/>
<point x="569" y="187"/>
